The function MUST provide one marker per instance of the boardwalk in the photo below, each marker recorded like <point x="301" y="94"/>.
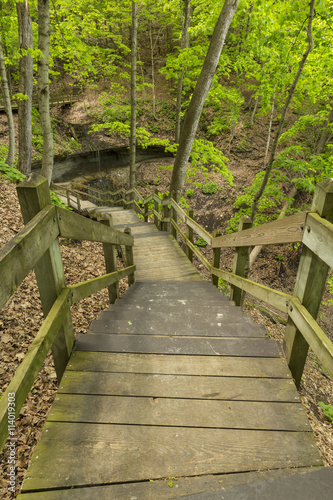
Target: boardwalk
<point x="174" y="392"/>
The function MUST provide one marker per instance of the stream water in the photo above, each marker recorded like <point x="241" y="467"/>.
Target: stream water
<point x="93" y="162"/>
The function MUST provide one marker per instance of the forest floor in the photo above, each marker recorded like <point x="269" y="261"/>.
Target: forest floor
<point x="276" y="267"/>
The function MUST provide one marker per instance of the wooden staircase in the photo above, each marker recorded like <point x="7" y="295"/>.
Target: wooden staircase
<point x="174" y="391"/>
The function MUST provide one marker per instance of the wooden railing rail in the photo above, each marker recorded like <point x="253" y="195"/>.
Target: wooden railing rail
<point x="36" y="246"/>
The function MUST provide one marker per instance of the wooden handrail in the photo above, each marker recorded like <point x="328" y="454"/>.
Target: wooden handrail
<point x="24" y="252"/>
<point x="21" y="253"/>
<point x="310" y="228"/>
<point x="288" y="230"/>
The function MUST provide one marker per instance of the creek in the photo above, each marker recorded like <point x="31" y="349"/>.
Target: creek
<point x="105" y="160"/>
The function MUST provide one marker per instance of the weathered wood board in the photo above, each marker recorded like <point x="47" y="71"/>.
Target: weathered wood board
<point x="208" y="346"/>
<point x="178" y="386"/>
<point x="123" y="453"/>
<point x="179" y="412"/>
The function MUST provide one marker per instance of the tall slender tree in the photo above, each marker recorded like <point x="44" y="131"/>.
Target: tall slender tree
<point x="284" y="111"/>
<point x="185" y="43"/>
<point x="44" y="32"/>
<point x="134" y="41"/>
<point x="8" y="109"/>
<point x="25" y="87"/>
<point x="200" y="93"/>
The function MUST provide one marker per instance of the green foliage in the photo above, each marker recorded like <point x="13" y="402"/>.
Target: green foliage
<point x="57" y="201"/>
<point x="327" y="410"/>
<point x="210" y="187"/>
<point x="226" y="104"/>
<point x="166" y="167"/>
<point x="206" y="158"/>
<point x="330" y="288"/>
<point x="223" y="286"/>
<point x="11" y="173"/>
<point x="183" y="203"/>
<point x="271" y="198"/>
<point x="201" y="242"/>
<point x="190" y="193"/>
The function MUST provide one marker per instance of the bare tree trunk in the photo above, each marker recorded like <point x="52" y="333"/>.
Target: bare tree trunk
<point x="201" y="90"/>
<point x="44" y="32"/>
<point x="25" y="87"/>
<point x="269" y="131"/>
<point x="324" y="135"/>
<point x="185" y="43"/>
<point x="152" y="66"/>
<point x="254" y="110"/>
<point x="133" y="93"/>
<point x="8" y="109"/>
<point x="284" y="112"/>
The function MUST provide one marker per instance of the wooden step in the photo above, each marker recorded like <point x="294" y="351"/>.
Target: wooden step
<point x="180" y="345"/>
<point x="170" y="327"/>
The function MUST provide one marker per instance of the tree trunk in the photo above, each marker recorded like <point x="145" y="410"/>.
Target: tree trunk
<point x="25" y="87"/>
<point x="152" y="67"/>
<point x="324" y="135"/>
<point x="8" y="109"/>
<point x="44" y="32"/>
<point x="201" y="90"/>
<point x="284" y="112"/>
<point x="134" y="43"/>
<point x="185" y="43"/>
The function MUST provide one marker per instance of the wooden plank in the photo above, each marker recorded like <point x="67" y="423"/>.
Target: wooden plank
<point x="179" y="412"/>
<point x="313" y="334"/>
<point x="179" y="386"/>
<point x="288" y="230"/>
<point x="171" y="327"/>
<point x="207" y="346"/>
<point x="189" y="315"/>
<point x="86" y="288"/>
<point x="273" y="297"/>
<point x="226" y="366"/>
<point x="77" y="227"/>
<point x="28" y="370"/>
<point x="22" y="252"/>
<point x="124" y="453"/>
<point x="160" y="489"/>
<point x="318" y="236"/>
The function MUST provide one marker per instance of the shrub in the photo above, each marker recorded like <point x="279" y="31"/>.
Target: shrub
<point x="190" y="193"/>
<point x="210" y="188"/>
<point x="201" y="242"/>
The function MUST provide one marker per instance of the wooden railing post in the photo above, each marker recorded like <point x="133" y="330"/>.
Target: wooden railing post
<point x="145" y="210"/>
<point x="34" y="194"/>
<point x="110" y="258"/>
<point x="310" y="284"/>
<point x="68" y="196"/>
<point x="129" y="258"/>
<point x="216" y="258"/>
<point x="173" y="216"/>
<point x="189" y="234"/>
<point x="156" y="221"/>
<point x="241" y="263"/>
<point x="78" y="202"/>
<point x="166" y="214"/>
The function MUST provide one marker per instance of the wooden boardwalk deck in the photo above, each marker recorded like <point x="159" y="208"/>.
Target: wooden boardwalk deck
<point x="174" y="392"/>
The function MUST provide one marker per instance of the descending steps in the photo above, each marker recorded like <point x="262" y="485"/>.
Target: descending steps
<point x="172" y="381"/>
